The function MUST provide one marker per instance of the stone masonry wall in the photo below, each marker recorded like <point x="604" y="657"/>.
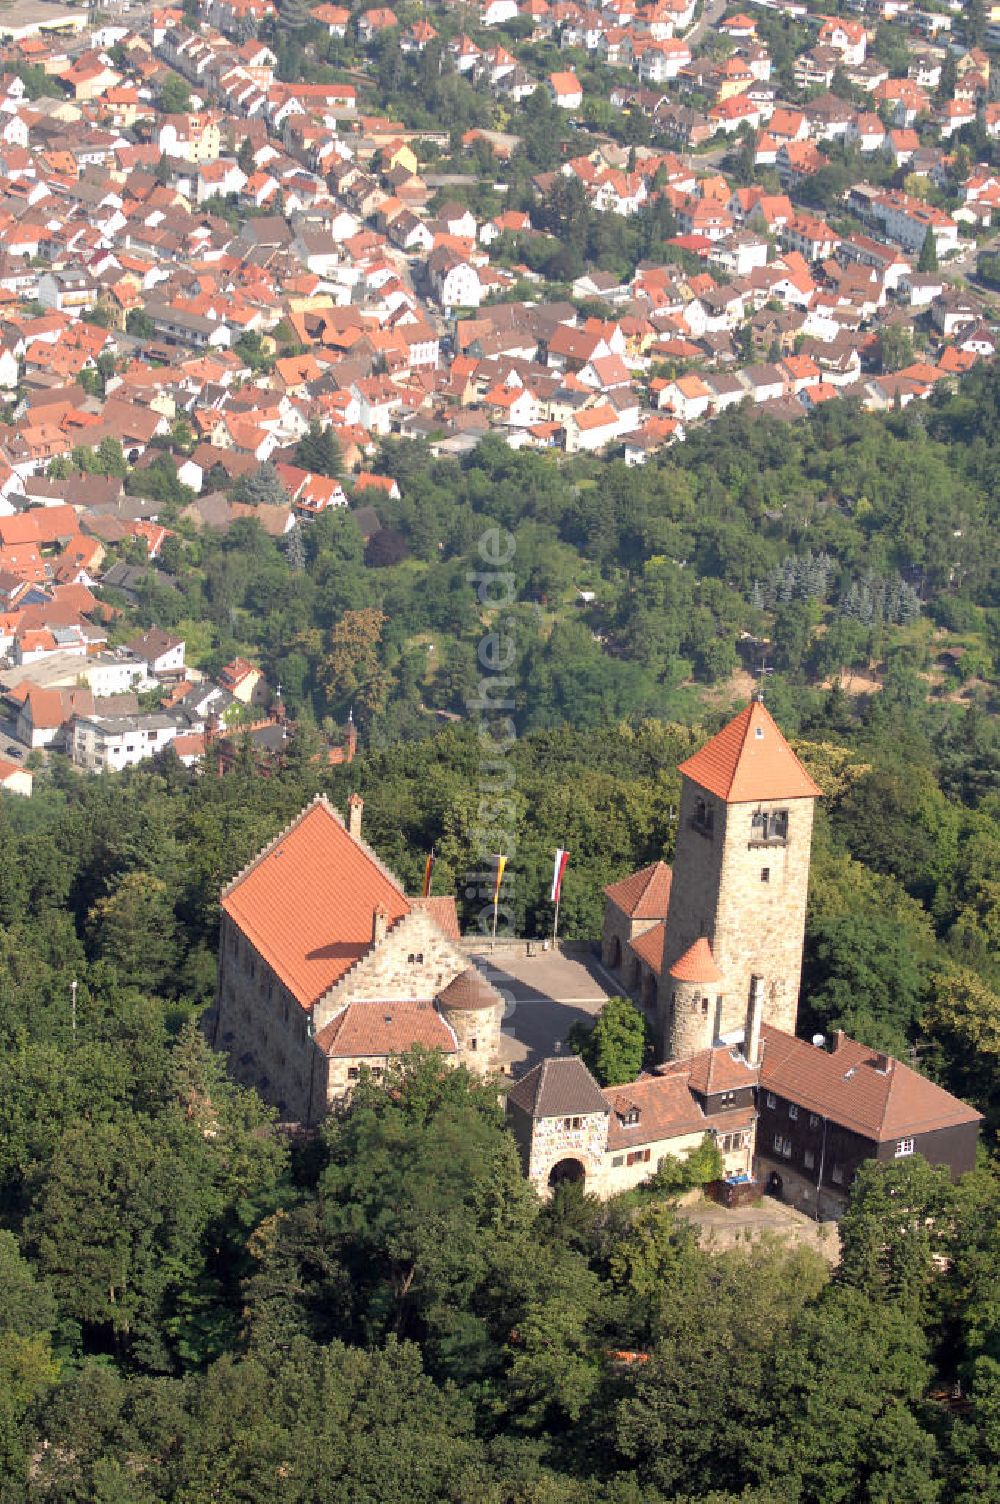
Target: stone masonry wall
<point x="754" y="927"/>
<point x="760" y="926"/>
<point x="478" y="1033"/>
<point x="552" y="1140"/>
<point x="262" y="1028"/>
<point x="691" y="1015"/>
<point x="387" y="974"/>
<point x="617" y="931"/>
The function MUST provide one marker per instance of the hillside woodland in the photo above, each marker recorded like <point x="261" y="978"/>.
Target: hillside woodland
<point x="194" y="1307"/>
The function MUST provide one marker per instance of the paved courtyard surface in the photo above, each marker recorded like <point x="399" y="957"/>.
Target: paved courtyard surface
<point x="547" y="992"/>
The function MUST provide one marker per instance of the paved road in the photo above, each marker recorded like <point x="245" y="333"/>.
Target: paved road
<point x="710" y="16"/>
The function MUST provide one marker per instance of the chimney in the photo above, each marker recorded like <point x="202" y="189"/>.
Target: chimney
<point x="380" y="923"/>
<point x="838" y="1040"/>
<point x="884" y="1063"/>
<point x="751" y="1034"/>
<point x="355" y="808"/>
<point x="352" y="738"/>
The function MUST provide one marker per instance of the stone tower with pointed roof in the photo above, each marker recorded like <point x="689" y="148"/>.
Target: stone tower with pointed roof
<point x="736" y="917"/>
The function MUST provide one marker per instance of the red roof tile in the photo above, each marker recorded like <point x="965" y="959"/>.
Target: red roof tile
<point x="697" y="964"/>
<point x="649" y="947"/>
<point x="666" y="1110"/>
<point x="748" y="760"/>
<point x="306" y="903"/>
<point x="644" y="894"/>
<point x="366" y="1029"/>
<point x="875" y="1095"/>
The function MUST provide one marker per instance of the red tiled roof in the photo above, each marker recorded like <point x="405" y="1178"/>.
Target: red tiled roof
<point x="649" y="947"/>
<point x="366" y="1029"/>
<point x="713" y="1070"/>
<point x="697" y="964"/>
<point x="306" y="904"/>
<point x="644" y="894"/>
<point x="874" y="1095"/>
<point x="748" y="760"/>
<point x="666" y="1110"/>
<point x="441" y="908"/>
<point x="469" y="989"/>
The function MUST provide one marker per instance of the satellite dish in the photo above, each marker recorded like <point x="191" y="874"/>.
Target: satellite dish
<point x="819" y="1040"/>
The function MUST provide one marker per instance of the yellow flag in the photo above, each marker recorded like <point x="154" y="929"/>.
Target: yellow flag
<point x="501" y="864"/>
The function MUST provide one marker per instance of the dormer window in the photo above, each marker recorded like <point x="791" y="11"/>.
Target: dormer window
<point x="630" y="1117"/>
<point x="769" y="827"/>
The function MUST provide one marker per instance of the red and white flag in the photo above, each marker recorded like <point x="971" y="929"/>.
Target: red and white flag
<point x="562" y="857"/>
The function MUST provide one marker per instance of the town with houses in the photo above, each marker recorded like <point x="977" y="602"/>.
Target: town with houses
<point x="203" y="261"/>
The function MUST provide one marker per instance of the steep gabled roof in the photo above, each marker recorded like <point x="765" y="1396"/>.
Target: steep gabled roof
<point x="749" y="760"/>
<point x="649" y="946"/>
<point x="644" y="894"/>
<point x="306" y="904"/>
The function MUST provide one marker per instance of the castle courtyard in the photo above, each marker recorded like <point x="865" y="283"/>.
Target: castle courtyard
<point x="545" y="993"/>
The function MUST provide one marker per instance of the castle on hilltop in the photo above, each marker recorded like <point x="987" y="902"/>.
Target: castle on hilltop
<point x="713" y="949"/>
<point x="720" y="937"/>
<point x="325" y="966"/>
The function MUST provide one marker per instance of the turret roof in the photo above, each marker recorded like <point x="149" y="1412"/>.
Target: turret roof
<point x="697" y="964"/>
<point x="750" y="760"/>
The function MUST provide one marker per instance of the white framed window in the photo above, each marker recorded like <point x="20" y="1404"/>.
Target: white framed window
<point x="904" y="1146"/>
<point x="771" y="1102"/>
<point x="793" y="1111"/>
<point x="814" y="1120"/>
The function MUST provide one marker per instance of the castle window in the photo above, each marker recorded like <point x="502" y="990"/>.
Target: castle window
<point x="809" y="1159"/>
<point x="793" y="1111"/>
<point x="904" y="1146"/>
<point x="837" y="1175"/>
<point x="473" y="1044"/>
<point x="415" y="958"/>
<point x="619" y="1159"/>
<point x="352" y="1073"/>
<point x="638" y="1157"/>
<point x="704" y="1006"/>
<point x="765" y="874"/>
<point x="769" y="827"/>
<point x="569" y="1124"/>
<point x="814" y="1120"/>
<point x="782" y="1146"/>
<point x="704" y="817"/>
<point x="771" y="1100"/>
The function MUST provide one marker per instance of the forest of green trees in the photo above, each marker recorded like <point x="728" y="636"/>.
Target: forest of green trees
<point x="834" y="545"/>
<point x="195" y="1307"/>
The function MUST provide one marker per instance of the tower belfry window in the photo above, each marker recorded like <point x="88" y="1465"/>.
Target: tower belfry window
<point x="769" y="827"/>
<point x="704" y="817"/>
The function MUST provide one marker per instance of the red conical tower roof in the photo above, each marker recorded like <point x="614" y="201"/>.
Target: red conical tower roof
<point x="749" y="760"/>
<point x="697" y="964"/>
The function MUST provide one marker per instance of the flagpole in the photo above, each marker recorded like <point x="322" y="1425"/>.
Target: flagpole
<point x="555" y="920"/>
